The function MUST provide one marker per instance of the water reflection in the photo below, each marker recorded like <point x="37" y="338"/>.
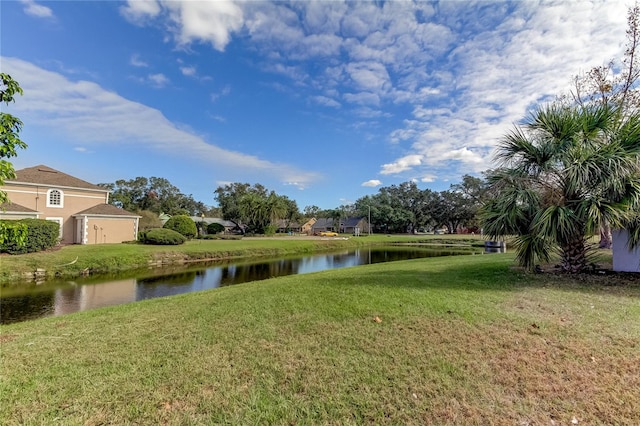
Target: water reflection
<point x="67" y="297"/>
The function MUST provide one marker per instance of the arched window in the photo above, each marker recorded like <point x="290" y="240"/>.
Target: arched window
<point x="55" y="198"/>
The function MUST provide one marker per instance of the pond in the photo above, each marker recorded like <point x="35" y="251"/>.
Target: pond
<point x="64" y="297"/>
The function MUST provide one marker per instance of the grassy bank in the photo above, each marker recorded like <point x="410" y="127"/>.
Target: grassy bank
<point x="74" y="260"/>
<point x="457" y="340"/>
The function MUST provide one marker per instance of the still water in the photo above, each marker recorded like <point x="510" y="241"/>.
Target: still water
<point x="60" y="298"/>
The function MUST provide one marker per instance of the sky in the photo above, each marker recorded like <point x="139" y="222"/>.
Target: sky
<point x="322" y="101"/>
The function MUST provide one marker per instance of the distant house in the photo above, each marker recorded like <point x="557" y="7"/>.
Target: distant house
<point x="349" y="225"/>
<point x="354" y="225"/>
<point x="307" y="227"/>
<point x="323" y="224"/>
<point x="284" y="225"/>
<point x="79" y="207"/>
<point x="227" y="224"/>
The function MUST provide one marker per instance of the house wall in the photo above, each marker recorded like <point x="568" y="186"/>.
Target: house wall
<point x="307" y="228"/>
<point x="624" y="260"/>
<point x="73" y="201"/>
<point x="103" y="230"/>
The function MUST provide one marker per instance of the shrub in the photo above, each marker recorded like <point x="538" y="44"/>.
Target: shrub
<point x="40" y="235"/>
<point x="214" y="228"/>
<point x="182" y="224"/>
<point x="160" y="236"/>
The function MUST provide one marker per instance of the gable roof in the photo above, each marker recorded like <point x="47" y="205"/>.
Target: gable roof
<point x="44" y="175"/>
<point x="15" y="208"/>
<point x="105" y="210"/>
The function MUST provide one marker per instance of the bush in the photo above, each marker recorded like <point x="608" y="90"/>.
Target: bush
<point x="160" y="236"/>
<point x="40" y="235"/>
<point x="182" y="224"/>
<point x="214" y="228"/>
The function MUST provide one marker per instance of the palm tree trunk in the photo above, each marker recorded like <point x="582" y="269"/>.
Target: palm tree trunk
<point x="574" y="255"/>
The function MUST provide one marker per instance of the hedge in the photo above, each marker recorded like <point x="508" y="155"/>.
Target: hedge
<point x="40" y="235"/>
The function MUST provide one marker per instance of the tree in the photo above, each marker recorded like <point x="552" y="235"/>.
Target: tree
<point x="563" y="172"/>
<point x="154" y="194"/>
<point x="614" y="85"/>
<point x="454" y="209"/>
<point x="10" y="128"/>
<point x="311" y="211"/>
<point x="253" y="208"/>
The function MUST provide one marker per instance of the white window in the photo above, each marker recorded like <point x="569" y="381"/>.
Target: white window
<point x="55" y="198"/>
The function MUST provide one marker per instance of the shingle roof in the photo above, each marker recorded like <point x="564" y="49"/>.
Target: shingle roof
<point x="15" y="208"/>
<point x="323" y="223"/>
<point x="105" y="210"/>
<point x="44" y="175"/>
<point x="351" y="221"/>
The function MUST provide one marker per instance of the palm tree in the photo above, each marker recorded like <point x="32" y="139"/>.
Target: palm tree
<point x="563" y="172"/>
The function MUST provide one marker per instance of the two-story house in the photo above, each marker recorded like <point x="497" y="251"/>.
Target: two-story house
<point x="78" y="206"/>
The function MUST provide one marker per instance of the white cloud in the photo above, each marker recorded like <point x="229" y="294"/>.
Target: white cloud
<point x="34" y="9"/>
<point x="326" y="101"/>
<point x="83" y="112"/>
<point x="402" y="164"/>
<point x="372" y="183"/>
<point x="158" y="80"/>
<point x="137" y="62"/>
<point x="190" y="21"/>
<point x="188" y="71"/>
<point x="465" y="70"/>
<point x="139" y="11"/>
<point x="223" y="92"/>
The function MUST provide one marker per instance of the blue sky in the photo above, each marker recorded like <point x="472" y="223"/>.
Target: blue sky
<point x="322" y="101"/>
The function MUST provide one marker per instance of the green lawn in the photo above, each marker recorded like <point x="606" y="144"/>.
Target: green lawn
<point x="455" y="340"/>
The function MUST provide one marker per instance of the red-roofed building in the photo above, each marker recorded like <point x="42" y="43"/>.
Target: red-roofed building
<point x="81" y="208"/>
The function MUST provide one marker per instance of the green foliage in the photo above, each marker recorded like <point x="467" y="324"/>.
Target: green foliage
<point x="214" y="228"/>
<point x="154" y="194"/>
<point x="149" y="220"/>
<point x="12" y="234"/>
<point x="162" y="236"/>
<point x="183" y="225"/>
<point x="40" y="235"/>
<point x="254" y="206"/>
<point x="564" y="172"/>
<point x="10" y="127"/>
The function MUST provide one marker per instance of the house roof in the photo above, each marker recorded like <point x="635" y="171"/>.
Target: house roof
<point x="282" y="223"/>
<point x="351" y="221"/>
<point x="15" y="208"/>
<point x="45" y="175"/>
<point x="105" y="210"/>
<point x="323" y="223"/>
<point x="210" y="220"/>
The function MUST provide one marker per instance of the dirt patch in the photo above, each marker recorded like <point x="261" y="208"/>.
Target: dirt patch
<point x="4" y="338"/>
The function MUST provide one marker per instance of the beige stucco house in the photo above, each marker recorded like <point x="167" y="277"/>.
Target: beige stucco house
<point x="78" y="206"/>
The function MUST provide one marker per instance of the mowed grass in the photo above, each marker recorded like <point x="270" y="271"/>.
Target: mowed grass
<point x="455" y="340"/>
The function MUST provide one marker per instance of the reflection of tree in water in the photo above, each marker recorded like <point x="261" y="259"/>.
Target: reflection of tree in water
<point x="20" y="308"/>
<point x="237" y="274"/>
<point x="186" y="277"/>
